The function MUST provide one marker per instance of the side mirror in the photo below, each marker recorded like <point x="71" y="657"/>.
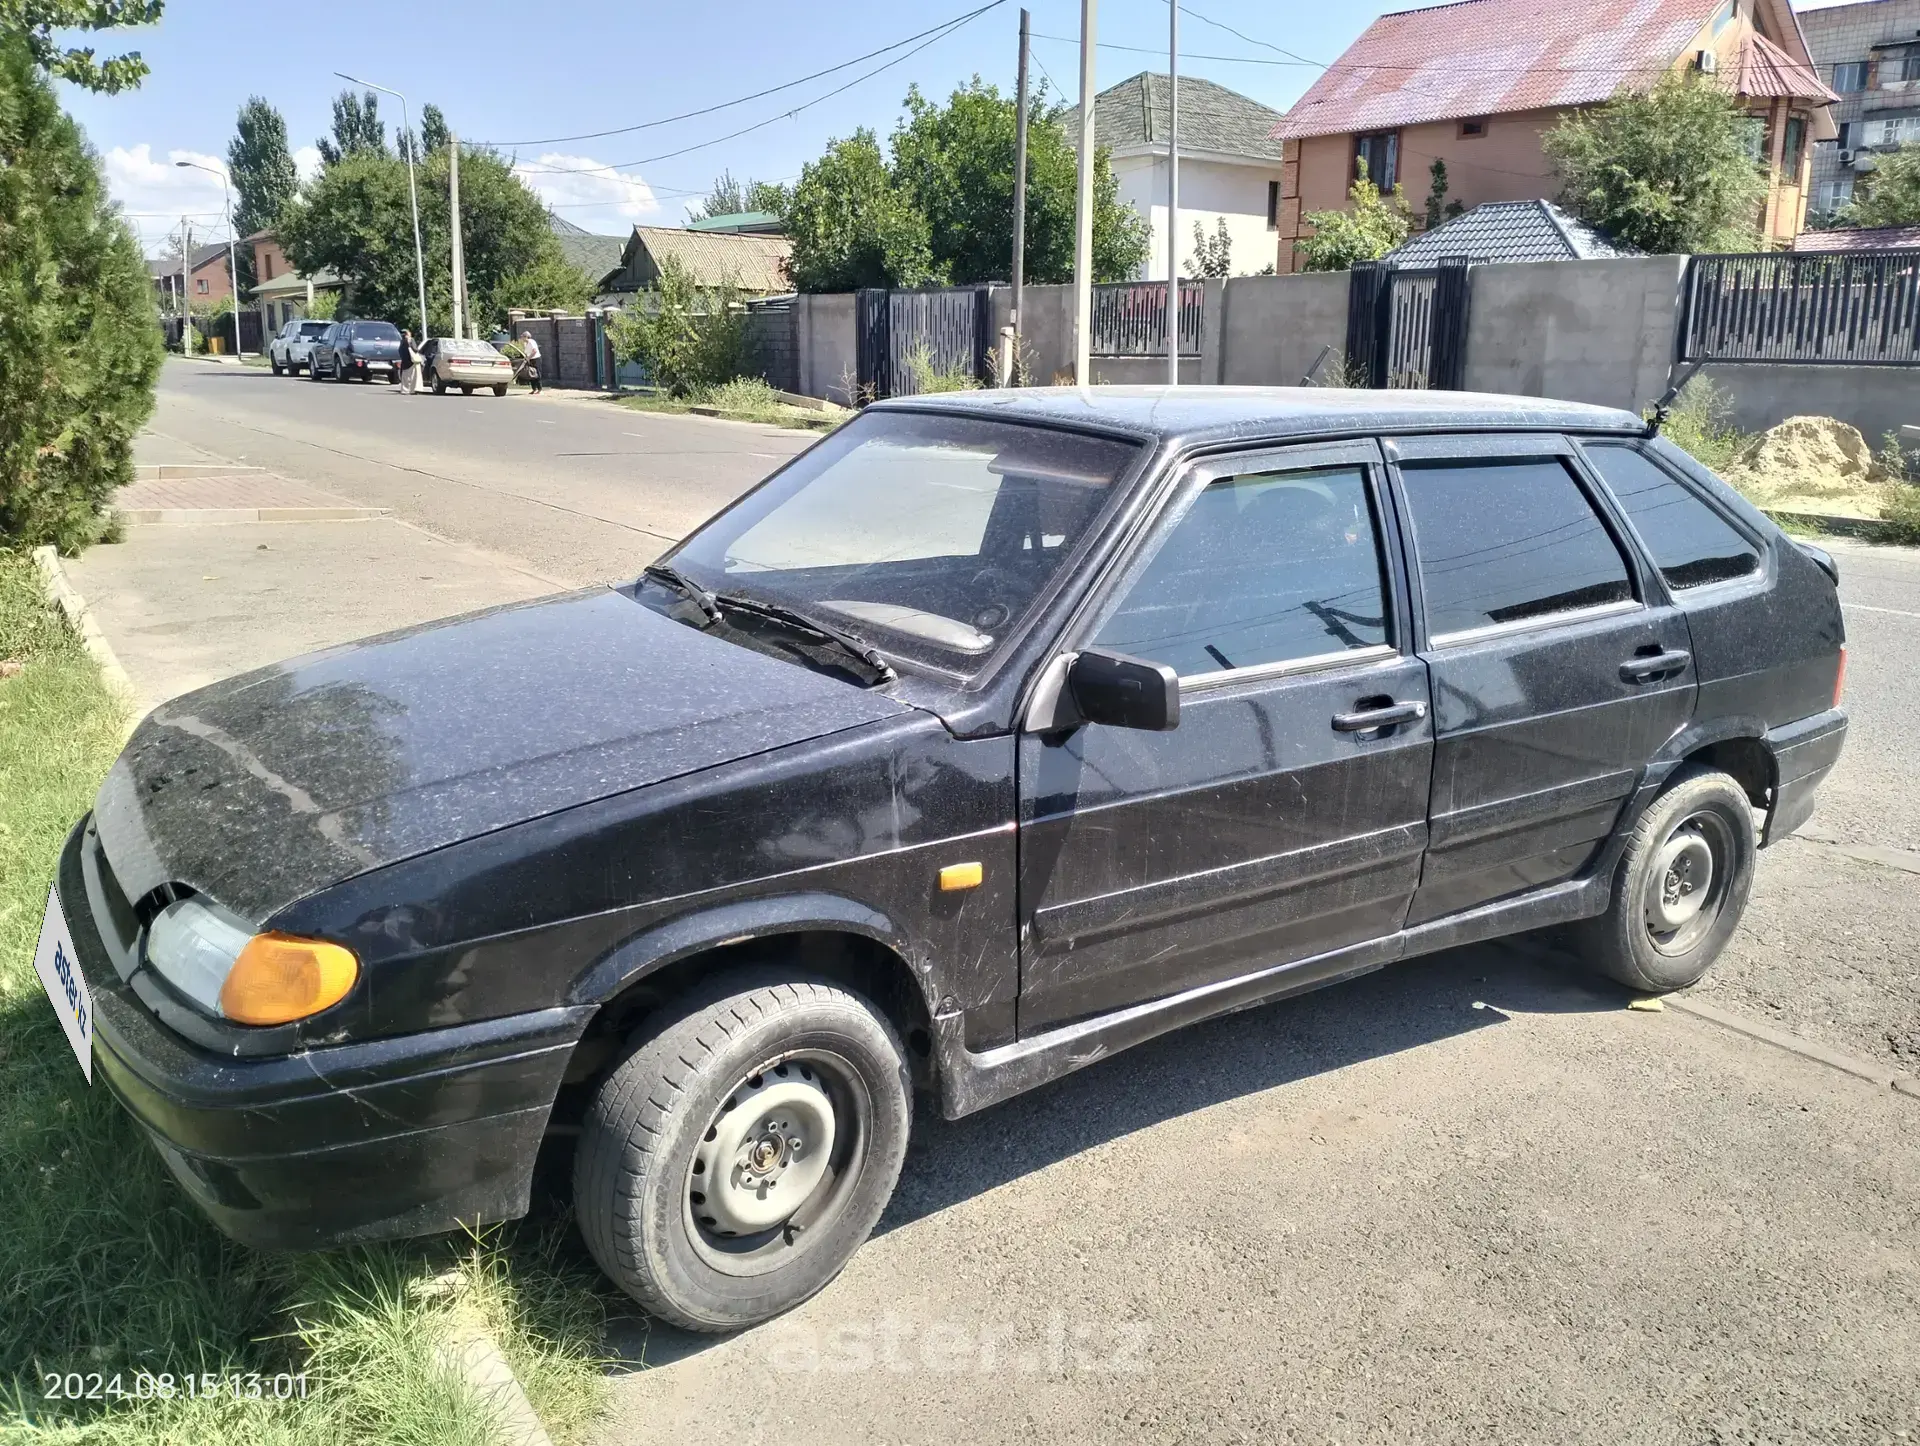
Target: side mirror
<point x="1124" y="692"/>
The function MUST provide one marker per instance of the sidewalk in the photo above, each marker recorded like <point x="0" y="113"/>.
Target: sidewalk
<point x="206" y="588"/>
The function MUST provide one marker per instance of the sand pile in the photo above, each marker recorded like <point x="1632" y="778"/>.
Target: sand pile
<point x="1806" y="457"/>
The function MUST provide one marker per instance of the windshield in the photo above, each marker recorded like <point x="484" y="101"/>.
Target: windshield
<point x="930" y="536"/>
<point x="374" y="331"/>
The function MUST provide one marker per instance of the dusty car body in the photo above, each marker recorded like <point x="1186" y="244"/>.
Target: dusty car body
<point x="1080" y="805"/>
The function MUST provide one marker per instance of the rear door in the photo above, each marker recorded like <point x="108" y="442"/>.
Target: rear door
<point x="1286" y="814"/>
<point x="1559" y="665"/>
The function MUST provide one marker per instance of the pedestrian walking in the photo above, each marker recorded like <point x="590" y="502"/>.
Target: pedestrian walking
<point x="409" y="365"/>
<point x="530" y="361"/>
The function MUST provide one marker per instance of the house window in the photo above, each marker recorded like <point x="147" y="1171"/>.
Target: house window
<point x="1470" y="128"/>
<point x="200" y="284"/>
<point x="1832" y="196"/>
<point x="1845" y="138"/>
<point x="1850" y="76"/>
<point x="1380" y="154"/>
<point x="1895" y="131"/>
<point x="1899" y="65"/>
<point x="1757" y="139"/>
<point x="1795" y="148"/>
<point x="1273" y="205"/>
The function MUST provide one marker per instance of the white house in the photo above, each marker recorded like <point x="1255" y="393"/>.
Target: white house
<point x="1229" y="166"/>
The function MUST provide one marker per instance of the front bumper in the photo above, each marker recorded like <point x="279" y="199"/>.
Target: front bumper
<point x="1803" y="755"/>
<point x="364" y="1141"/>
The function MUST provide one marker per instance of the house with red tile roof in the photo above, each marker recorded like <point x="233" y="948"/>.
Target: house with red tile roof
<point x="1478" y="83"/>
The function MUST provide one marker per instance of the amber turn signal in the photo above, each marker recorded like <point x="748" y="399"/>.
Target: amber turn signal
<point x="278" y="979"/>
<point x="955" y="877"/>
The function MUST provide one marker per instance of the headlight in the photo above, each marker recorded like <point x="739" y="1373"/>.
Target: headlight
<point x="213" y="958"/>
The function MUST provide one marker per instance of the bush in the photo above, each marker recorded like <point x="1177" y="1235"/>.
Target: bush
<point x="689" y="337"/>
<point x="1701" y="424"/>
<point x="1369" y="229"/>
<point x="1901" y="514"/>
<point x="929" y="378"/>
<point x="80" y="345"/>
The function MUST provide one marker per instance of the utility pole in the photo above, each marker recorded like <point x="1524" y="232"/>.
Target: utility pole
<point x="1083" y="231"/>
<point x="1173" y="193"/>
<point x="233" y="265"/>
<point x="185" y="314"/>
<point x="1019" y="192"/>
<point x="459" y="258"/>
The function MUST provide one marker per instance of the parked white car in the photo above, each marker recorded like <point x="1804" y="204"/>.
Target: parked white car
<point x="291" y="349"/>
<point x="447" y="361"/>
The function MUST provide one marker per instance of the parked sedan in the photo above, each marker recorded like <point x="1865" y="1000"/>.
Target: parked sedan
<point x="357" y="351"/>
<point x="994" y="734"/>
<point x="448" y="361"/>
<point x="292" y="347"/>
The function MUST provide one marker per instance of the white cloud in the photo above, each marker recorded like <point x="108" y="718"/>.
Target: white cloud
<point x="306" y="161"/>
<point x="156" y="193"/>
<point x="587" y="192"/>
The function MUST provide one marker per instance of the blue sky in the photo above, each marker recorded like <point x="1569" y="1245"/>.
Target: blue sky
<point x="532" y="73"/>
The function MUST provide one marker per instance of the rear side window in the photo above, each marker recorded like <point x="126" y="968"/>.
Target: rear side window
<point x="1508" y="541"/>
<point x="1270" y="567"/>
<point x="1691" y="543"/>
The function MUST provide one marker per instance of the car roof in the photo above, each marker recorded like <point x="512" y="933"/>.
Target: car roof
<point x="1200" y="415"/>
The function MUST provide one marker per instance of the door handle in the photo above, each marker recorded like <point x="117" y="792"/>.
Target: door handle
<point x="1365" y="720"/>
<point x="1655" y="665"/>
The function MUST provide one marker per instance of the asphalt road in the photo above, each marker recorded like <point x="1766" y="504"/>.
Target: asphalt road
<point x="575" y="488"/>
<point x="1471" y="1199"/>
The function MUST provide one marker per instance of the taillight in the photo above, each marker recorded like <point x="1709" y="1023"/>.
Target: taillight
<point x="1840" y="678"/>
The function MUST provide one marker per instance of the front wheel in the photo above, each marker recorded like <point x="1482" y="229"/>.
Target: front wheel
<point x="1681" y="888"/>
<point x="278" y="370"/>
<point x="721" y="1192"/>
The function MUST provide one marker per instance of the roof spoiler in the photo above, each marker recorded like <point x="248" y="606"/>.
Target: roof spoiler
<point x="1677" y="380"/>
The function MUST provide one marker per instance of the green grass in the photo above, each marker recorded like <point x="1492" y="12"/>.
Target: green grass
<point x="744" y="399"/>
<point x="104" y="1265"/>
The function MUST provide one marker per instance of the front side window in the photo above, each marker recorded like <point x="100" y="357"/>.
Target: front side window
<point x="1271" y="567"/>
<point x="929" y="536"/>
<point x="1506" y="542"/>
<point x="1690" y="543"/>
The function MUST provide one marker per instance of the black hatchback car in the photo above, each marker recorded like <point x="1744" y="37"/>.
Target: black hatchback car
<point x="356" y="351"/>
<point x="988" y="737"/>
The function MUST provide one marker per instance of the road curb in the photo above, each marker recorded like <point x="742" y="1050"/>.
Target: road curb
<point x="64" y="595"/>
<point x="1866" y="1069"/>
<point x="474" y="1356"/>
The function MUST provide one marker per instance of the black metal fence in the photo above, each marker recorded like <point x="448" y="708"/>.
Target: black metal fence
<point x="907" y="342"/>
<point x="1130" y="318"/>
<point x="1857" y="309"/>
<point x="1408" y="327"/>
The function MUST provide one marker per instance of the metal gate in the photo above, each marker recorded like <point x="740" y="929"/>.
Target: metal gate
<point x="907" y="342"/>
<point x="1408" y="327"/>
<point x="1857" y="308"/>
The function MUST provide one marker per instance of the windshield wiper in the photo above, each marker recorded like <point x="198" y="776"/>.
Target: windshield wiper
<point x="778" y="612"/>
<point x="678" y="581"/>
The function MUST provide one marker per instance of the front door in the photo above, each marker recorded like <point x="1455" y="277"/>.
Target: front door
<point x="1559" y="665"/>
<point x="1286" y="814"/>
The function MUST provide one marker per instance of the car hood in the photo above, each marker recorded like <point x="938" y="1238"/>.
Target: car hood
<point x="273" y="785"/>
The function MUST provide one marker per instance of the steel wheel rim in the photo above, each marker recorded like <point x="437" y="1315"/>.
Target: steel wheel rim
<point x="727" y="1185"/>
<point x="1687" y="885"/>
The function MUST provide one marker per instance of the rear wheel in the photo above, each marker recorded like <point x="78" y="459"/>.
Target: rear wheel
<point x="466" y="391"/>
<point x="439" y="386"/>
<point x="499" y="389"/>
<point x="1681" y="888"/>
<point x="733" y="1163"/>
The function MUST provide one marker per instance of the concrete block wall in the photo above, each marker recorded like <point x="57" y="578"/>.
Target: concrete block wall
<point x="827" y="364"/>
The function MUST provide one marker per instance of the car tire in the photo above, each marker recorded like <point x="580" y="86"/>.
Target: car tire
<point x="1681" y="887"/>
<point x="439" y="385"/>
<point x="499" y="389"/>
<point x="831" y="1074"/>
<point x="466" y="391"/>
<point x="278" y="370"/>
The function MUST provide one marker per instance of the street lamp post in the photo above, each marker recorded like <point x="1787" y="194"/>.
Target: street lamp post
<point x="233" y="267"/>
<point x="413" y="194"/>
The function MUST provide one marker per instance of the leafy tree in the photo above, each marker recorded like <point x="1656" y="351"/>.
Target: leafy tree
<point x="1669" y="170"/>
<point x="956" y="162"/>
<point x="1893" y="199"/>
<point x="79" y="340"/>
<point x="434" y="131"/>
<point x="356" y="128"/>
<point x="263" y="174"/>
<point x="1367" y="230"/>
<point x="729" y="197"/>
<point x="688" y="337"/>
<point x="551" y="283"/>
<point x="1212" y="256"/>
<point x="852" y="227"/>
<point x="34" y="22"/>
<point x="355" y="218"/>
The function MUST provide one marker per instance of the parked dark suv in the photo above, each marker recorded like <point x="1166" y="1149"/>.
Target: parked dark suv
<point x="990" y="736"/>
<point x="356" y="351"/>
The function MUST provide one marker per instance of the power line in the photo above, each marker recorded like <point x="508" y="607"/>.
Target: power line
<point x="943" y="32"/>
<point x="742" y="100"/>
